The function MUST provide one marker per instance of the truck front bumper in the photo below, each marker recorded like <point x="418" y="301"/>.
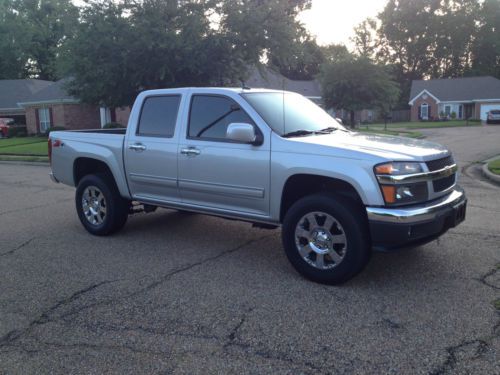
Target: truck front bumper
<point x="394" y="228"/>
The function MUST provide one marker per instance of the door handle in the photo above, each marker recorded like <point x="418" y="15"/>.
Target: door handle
<point x="191" y="151"/>
<point x="137" y="147"/>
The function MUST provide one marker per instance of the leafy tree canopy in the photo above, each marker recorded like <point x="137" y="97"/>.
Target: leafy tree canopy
<point x="355" y="83"/>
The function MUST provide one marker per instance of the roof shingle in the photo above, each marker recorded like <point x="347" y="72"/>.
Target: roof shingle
<point x="458" y="89"/>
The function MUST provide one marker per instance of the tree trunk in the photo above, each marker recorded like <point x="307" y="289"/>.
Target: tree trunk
<point x="353" y="125"/>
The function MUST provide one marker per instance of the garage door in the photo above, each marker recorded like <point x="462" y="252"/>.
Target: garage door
<point x="485" y="108"/>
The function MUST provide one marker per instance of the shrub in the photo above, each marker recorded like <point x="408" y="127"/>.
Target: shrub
<point x="453" y="115"/>
<point x="52" y="129"/>
<point x="113" y="125"/>
<point x="14" y="130"/>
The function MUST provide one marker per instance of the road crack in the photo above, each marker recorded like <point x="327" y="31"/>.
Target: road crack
<point x="477" y="347"/>
<point x="25" y="243"/>
<point x="46" y="316"/>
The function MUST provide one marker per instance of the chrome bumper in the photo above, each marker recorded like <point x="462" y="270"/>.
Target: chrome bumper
<point x="417" y="214"/>
<point x="53" y="178"/>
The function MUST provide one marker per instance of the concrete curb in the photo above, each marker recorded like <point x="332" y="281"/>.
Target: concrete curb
<point x="486" y="172"/>
<point x="20" y="162"/>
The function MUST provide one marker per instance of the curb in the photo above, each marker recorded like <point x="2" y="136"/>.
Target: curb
<point x="20" y="162"/>
<point x="486" y="172"/>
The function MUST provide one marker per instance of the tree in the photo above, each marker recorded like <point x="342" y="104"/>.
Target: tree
<point x="303" y="61"/>
<point x="123" y="47"/>
<point x="364" y="39"/>
<point x="486" y="45"/>
<point x="13" y="43"/>
<point x="31" y="34"/>
<point x="357" y="83"/>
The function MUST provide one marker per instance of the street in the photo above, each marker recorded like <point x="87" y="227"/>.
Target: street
<point x="179" y="293"/>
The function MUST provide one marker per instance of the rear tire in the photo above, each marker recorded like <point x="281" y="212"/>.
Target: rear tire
<point x="100" y="207"/>
<point x="326" y="238"/>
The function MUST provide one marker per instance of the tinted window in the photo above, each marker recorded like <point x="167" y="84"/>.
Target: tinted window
<point x="210" y="115"/>
<point x="158" y="116"/>
<point x="288" y="112"/>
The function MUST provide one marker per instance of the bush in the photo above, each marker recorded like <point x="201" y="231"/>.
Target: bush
<point x="113" y="125"/>
<point x="15" y="130"/>
<point x="453" y="115"/>
<point x="52" y="129"/>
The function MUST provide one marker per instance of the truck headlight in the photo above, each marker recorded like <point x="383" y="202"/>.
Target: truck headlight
<point x="397" y="191"/>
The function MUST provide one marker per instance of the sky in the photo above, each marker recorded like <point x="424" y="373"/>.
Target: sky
<point x="332" y="21"/>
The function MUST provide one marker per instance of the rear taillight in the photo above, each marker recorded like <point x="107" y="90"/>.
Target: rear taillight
<point x="49" y="147"/>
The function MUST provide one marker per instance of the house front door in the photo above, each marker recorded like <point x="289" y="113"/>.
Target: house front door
<point x="424" y="111"/>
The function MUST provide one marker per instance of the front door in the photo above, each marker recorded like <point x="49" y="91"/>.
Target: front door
<point x="151" y="153"/>
<point x="218" y="173"/>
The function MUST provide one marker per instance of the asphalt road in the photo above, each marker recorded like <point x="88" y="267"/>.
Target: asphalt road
<point x="190" y="294"/>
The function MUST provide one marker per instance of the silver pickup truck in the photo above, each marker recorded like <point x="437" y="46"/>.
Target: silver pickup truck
<point x="271" y="158"/>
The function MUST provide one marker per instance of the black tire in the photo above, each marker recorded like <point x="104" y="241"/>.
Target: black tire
<point x="116" y="207"/>
<point x="353" y="226"/>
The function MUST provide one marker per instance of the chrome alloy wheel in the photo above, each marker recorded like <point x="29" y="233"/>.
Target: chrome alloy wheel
<point x="94" y="205"/>
<point x="320" y="240"/>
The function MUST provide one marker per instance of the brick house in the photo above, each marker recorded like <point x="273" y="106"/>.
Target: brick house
<point x="14" y="91"/>
<point x="462" y="98"/>
<point x="52" y="106"/>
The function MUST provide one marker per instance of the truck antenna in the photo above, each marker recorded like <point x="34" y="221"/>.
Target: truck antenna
<point x="243" y="86"/>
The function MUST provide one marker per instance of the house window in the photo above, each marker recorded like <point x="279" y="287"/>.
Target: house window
<point x="460" y="111"/>
<point x="44" y="119"/>
<point x="447" y="110"/>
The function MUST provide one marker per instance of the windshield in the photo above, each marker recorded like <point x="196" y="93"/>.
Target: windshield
<point x="289" y="113"/>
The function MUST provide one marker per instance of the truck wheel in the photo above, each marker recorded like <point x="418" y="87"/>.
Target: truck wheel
<point x="100" y="207"/>
<point x="326" y="238"/>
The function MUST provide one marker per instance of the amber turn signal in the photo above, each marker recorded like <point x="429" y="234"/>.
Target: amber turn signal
<point x="384" y="169"/>
<point x="389" y="192"/>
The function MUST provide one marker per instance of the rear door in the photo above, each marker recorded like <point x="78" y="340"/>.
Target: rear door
<point x="216" y="172"/>
<point x="150" y="153"/>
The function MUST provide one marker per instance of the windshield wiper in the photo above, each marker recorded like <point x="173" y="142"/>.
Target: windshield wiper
<point x="298" y="133"/>
<point x="302" y="132"/>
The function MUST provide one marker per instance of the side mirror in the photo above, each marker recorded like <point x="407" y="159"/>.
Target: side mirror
<point x="241" y="132"/>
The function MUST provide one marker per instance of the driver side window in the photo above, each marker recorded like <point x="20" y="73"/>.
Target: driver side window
<point x="210" y="115"/>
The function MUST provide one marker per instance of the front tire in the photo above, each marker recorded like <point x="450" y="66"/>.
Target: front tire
<point x="100" y="207"/>
<point x="326" y="238"/>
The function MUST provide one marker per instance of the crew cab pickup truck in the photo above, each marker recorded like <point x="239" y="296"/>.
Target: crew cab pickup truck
<point x="271" y="158"/>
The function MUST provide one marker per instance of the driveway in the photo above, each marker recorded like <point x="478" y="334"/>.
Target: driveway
<point x="187" y="294"/>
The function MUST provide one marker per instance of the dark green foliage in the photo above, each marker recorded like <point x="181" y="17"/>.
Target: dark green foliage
<point x="122" y="47"/>
<point x="53" y="129"/>
<point x="356" y="83"/>
<point x="31" y="35"/>
<point x="17" y="131"/>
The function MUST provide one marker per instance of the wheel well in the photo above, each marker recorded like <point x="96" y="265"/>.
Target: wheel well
<point x="86" y="166"/>
<point x="301" y="185"/>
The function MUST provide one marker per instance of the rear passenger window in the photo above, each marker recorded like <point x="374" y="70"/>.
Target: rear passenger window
<point x="158" y="116"/>
<point x="210" y="115"/>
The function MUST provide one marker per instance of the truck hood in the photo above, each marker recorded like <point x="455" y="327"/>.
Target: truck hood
<point x="385" y="147"/>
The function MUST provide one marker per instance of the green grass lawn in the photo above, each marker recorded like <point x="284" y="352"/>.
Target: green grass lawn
<point x="409" y="134"/>
<point x="425" y="125"/>
<point x="8" y="142"/>
<point x="24" y="146"/>
<point x="494" y="166"/>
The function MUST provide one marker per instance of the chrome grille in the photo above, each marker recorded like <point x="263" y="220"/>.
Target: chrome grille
<point x="443" y="183"/>
<point x="437" y="164"/>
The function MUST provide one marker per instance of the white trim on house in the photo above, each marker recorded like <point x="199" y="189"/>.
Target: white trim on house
<point x="486" y="100"/>
<point x="422" y="92"/>
<point x="41" y="102"/>
<point x="457" y="102"/>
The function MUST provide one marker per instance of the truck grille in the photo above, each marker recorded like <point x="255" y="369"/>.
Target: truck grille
<point x="437" y="164"/>
<point x="446" y="182"/>
<point x="443" y="183"/>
